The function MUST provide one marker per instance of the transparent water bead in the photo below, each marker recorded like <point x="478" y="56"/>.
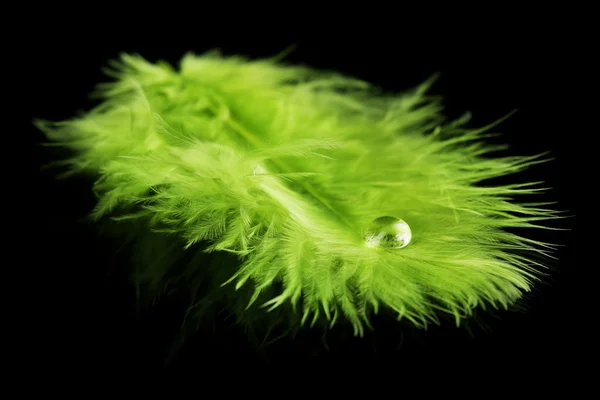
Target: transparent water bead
<point x="388" y="232"/>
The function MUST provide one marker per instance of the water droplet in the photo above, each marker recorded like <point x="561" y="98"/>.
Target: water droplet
<point x="388" y="232"/>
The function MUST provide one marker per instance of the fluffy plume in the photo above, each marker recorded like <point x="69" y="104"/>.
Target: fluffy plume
<point x="286" y="168"/>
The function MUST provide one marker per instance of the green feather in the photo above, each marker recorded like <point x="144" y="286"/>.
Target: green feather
<point x="287" y="167"/>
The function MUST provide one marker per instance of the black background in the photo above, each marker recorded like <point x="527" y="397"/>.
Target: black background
<point x="91" y="313"/>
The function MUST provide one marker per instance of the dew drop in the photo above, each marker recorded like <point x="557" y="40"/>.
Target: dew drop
<point x="388" y="232"/>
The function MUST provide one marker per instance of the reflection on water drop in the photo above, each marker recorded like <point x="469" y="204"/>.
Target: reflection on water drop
<point x="258" y="170"/>
<point x="388" y="232"/>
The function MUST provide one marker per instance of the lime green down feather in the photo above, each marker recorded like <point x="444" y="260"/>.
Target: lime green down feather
<point x="288" y="167"/>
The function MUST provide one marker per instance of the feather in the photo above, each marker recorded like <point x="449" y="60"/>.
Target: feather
<point x="286" y="168"/>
